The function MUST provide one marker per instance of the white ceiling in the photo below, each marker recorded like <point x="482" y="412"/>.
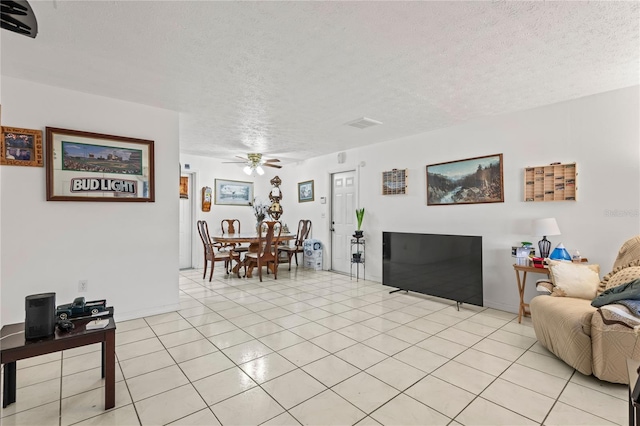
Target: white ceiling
<point x="283" y="78"/>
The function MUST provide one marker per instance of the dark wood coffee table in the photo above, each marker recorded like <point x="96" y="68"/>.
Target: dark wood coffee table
<point x="14" y="347"/>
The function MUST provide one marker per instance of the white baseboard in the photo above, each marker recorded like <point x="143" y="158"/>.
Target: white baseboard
<point x="126" y="316"/>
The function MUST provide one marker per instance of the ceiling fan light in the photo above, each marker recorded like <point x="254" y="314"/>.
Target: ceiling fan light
<point x="259" y="170"/>
<point x="247" y="170"/>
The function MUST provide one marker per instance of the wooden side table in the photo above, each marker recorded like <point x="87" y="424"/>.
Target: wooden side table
<point x="524" y="307"/>
<point x="15" y="347"/>
<point x="522" y="311"/>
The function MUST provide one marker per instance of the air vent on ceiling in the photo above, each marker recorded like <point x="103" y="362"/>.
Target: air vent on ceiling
<point x="363" y="123"/>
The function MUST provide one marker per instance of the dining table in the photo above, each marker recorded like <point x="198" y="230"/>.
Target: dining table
<point x="253" y="239"/>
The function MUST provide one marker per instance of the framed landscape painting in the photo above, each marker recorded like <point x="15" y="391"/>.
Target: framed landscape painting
<point x="305" y="191"/>
<point x="470" y="181"/>
<point x="233" y="192"/>
<point x="84" y="166"/>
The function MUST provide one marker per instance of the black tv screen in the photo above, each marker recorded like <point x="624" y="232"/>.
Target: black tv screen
<point x="447" y="266"/>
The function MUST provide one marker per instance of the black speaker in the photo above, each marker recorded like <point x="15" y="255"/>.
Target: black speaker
<point x="40" y="315"/>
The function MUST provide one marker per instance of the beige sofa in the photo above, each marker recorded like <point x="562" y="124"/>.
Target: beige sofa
<point x="576" y="332"/>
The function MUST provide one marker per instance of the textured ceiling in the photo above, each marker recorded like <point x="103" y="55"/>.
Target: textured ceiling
<point x="283" y="78"/>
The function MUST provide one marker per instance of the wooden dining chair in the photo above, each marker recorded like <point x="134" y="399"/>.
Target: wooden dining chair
<point x="304" y="230"/>
<point x="232" y="226"/>
<point x="267" y="254"/>
<point x="214" y="254"/>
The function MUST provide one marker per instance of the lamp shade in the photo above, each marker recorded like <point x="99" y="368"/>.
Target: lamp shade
<point x="547" y="226"/>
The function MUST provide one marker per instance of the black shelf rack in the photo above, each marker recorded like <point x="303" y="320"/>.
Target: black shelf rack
<point x="357" y="257"/>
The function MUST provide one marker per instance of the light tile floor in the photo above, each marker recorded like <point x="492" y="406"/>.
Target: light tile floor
<point x="315" y="348"/>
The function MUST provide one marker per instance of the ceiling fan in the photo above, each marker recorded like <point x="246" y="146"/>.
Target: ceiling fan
<point x="254" y="161"/>
<point x="18" y="17"/>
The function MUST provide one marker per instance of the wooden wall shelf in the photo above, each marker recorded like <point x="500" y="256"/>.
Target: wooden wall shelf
<point x="555" y="182"/>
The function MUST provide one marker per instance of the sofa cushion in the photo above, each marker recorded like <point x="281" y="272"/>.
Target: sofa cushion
<point x="574" y="280"/>
<point x="629" y="252"/>
<point x="563" y="326"/>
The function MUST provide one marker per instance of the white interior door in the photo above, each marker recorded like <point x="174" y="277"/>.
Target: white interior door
<point x="343" y="214"/>
<point x="186" y="226"/>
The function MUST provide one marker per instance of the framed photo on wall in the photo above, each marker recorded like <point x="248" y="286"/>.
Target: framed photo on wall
<point x="21" y="147"/>
<point x="84" y="166"/>
<point x="305" y="191"/>
<point x="470" y="181"/>
<point x="233" y="192"/>
<point x="206" y="198"/>
<point x="394" y="182"/>
<point x="184" y="187"/>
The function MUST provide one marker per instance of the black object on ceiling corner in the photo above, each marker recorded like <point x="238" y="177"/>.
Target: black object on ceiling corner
<point x="17" y="16"/>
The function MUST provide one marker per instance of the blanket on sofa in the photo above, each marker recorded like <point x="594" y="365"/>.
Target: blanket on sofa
<point x="632" y="305"/>
<point x="628" y="291"/>
<point x="620" y="305"/>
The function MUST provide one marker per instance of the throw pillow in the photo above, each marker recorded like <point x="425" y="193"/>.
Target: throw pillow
<point x="574" y="279"/>
<point x="624" y="276"/>
<point x="604" y="284"/>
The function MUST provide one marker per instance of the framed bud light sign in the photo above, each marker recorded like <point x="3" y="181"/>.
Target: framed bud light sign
<point x="83" y="166"/>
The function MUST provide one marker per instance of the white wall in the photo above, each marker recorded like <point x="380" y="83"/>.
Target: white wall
<point x="127" y="251"/>
<point x="600" y="133"/>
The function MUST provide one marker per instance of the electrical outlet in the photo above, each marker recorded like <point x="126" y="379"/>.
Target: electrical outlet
<point x="83" y="286"/>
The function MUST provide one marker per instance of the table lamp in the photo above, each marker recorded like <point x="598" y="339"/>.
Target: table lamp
<point x="544" y="227"/>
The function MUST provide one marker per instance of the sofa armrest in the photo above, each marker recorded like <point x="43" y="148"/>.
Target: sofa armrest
<point x="563" y="326"/>
<point x="612" y="344"/>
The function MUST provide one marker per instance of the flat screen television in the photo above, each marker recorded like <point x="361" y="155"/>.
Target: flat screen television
<point x="447" y="266"/>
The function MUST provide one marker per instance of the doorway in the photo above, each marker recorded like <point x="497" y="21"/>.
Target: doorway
<point x="186" y="224"/>
<point x="343" y="206"/>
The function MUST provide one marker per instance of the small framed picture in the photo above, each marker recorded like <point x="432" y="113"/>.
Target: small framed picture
<point x="184" y="187"/>
<point x="233" y="192"/>
<point x="305" y="191"/>
<point x="394" y="182"/>
<point x="21" y="147"/>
